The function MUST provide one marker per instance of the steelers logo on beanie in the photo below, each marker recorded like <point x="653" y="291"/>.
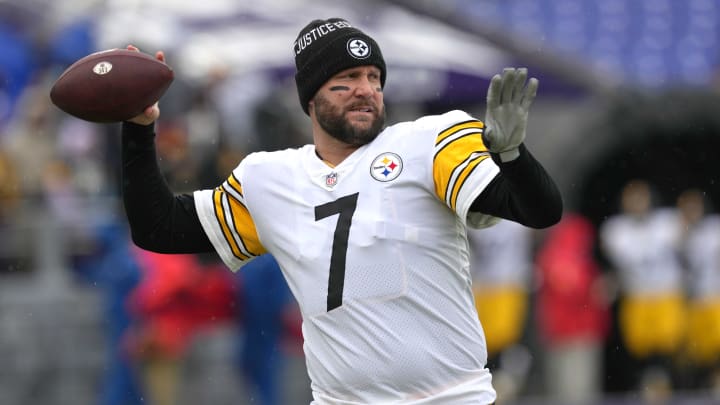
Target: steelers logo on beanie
<point x="324" y="48"/>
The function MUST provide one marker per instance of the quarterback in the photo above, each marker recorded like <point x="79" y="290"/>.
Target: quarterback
<point x="368" y="223"/>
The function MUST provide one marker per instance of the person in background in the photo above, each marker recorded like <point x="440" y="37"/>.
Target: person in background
<point x="177" y="297"/>
<point x="9" y="186"/>
<point x="501" y="266"/>
<point x="641" y="243"/>
<point x="573" y="315"/>
<point x="111" y="266"/>
<point x="9" y="201"/>
<point x="264" y="303"/>
<point x="701" y="254"/>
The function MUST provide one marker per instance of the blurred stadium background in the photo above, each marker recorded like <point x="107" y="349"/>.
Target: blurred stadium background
<point x="628" y="88"/>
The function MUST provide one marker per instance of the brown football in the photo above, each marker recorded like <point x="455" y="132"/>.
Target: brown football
<point x="111" y="86"/>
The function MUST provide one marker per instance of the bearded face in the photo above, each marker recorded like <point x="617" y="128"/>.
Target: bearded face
<point x="358" y="132"/>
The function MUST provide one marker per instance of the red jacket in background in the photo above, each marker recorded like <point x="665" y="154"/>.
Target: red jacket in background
<point x="572" y="303"/>
<point x="177" y="297"/>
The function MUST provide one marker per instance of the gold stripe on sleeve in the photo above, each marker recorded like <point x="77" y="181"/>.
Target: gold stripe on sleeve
<point x="458" y="151"/>
<point x="458" y="127"/>
<point x="234" y="184"/>
<point x="245" y="227"/>
<point x="463" y="174"/>
<point x="218" y="197"/>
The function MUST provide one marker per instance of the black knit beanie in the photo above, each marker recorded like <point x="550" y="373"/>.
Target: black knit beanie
<point x="324" y="48"/>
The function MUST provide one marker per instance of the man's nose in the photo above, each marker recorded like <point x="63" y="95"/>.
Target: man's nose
<point x="364" y="88"/>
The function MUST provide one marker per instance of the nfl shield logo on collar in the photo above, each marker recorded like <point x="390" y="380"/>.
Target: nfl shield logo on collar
<point x="331" y="179"/>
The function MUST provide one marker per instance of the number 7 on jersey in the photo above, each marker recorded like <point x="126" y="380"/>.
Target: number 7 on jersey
<point x="345" y="208"/>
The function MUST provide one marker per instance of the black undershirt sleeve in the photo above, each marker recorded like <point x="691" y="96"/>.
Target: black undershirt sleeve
<point x="159" y="221"/>
<point x="522" y="192"/>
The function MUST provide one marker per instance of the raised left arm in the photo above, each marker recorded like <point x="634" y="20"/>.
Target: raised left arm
<point x="522" y="191"/>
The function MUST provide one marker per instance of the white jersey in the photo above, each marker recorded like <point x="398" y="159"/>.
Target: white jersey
<point x="375" y="252"/>
<point x="644" y="251"/>
<point x="702" y="253"/>
<point x="502" y="255"/>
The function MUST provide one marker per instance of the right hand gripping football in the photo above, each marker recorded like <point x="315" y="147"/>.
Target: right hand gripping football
<point x="508" y="101"/>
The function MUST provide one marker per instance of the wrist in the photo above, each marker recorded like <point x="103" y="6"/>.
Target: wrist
<point x="509" y="155"/>
<point x="138" y="129"/>
<point x="136" y="135"/>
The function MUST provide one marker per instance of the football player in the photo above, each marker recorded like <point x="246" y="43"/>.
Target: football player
<point x="700" y="249"/>
<point x="368" y="223"/>
<point x="641" y="244"/>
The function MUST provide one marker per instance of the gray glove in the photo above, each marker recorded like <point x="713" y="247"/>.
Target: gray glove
<point x="508" y="102"/>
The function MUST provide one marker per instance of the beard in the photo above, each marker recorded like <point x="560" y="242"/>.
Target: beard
<point x="332" y="120"/>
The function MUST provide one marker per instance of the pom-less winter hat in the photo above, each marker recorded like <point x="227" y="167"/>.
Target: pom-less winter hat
<point x="325" y="47"/>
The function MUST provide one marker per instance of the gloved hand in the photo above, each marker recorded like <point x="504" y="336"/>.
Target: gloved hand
<point x="508" y="102"/>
